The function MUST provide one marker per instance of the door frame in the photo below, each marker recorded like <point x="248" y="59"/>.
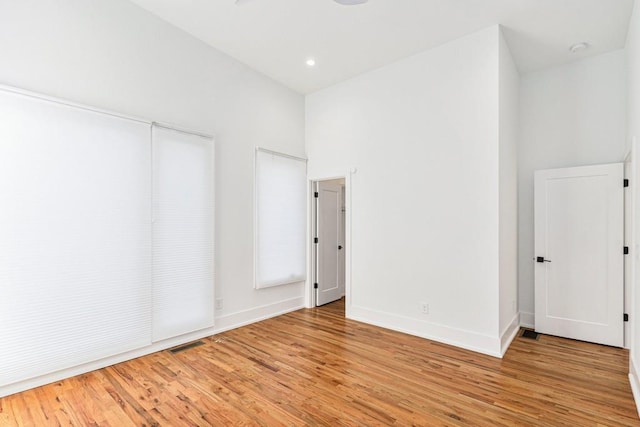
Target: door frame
<point x="631" y="173"/>
<point x="310" y="294"/>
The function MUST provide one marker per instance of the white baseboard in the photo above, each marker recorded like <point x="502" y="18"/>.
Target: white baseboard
<point x="102" y="363"/>
<point x="635" y="384"/>
<point x="445" y="334"/>
<point x="223" y="323"/>
<point x="509" y="334"/>
<point x="256" y="314"/>
<point x="527" y="320"/>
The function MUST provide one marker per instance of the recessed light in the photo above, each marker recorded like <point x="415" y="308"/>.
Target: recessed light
<point x="311" y="62"/>
<point x="578" y="47"/>
<point x="350" y="2"/>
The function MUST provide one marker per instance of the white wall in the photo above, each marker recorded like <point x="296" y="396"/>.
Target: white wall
<point x="633" y="133"/>
<point x="423" y="135"/>
<point x="633" y="77"/>
<point x="509" y="81"/>
<point x="570" y="115"/>
<point x="113" y="55"/>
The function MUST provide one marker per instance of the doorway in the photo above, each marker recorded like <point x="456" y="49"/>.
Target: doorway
<point x="329" y="241"/>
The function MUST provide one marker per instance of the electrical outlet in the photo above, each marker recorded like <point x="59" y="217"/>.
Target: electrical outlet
<point x="424" y="307"/>
<point x="219" y="303"/>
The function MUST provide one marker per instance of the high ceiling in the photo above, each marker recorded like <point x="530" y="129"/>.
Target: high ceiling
<point x="276" y="37"/>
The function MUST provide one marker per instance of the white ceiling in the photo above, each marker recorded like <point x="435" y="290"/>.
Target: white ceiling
<point x="276" y="37"/>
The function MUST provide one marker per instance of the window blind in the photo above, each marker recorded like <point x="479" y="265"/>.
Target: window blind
<point x="280" y="211"/>
<point x="75" y="236"/>
<point x="183" y="221"/>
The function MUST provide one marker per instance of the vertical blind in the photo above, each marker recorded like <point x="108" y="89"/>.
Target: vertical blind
<point x="280" y="219"/>
<point x="75" y="236"/>
<point x="183" y="219"/>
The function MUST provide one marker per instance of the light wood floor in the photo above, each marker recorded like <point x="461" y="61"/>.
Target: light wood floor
<point x="313" y="367"/>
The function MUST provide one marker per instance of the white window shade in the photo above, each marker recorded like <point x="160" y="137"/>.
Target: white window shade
<point x="183" y="221"/>
<point x="280" y="219"/>
<point x="75" y="236"/>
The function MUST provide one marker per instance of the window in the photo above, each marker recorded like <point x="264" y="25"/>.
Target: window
<point x="280" y="213"/>
<point x="183" y="220"/>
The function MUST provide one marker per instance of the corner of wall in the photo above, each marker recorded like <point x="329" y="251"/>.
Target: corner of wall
<point x="635" y="383"/>
<point x="509" y="334"/>
<point x="508" y="106"/>
<point x="527" y="320"/>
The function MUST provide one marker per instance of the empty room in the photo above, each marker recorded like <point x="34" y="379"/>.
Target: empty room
<point x="319" y="212"/>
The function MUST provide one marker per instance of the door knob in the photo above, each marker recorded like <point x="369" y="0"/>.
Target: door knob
<point x="339" y="247"/>
<point x="541" y="259"/>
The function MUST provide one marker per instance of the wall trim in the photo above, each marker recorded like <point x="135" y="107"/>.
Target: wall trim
<point x="223" y="323"/>
<point x="509" y="334"/>
<point x="257" y="314"/>
<point x="102" y="363"/>
<point x="635" y="384"/>
<point x="468" y="340"/>
<point x="527" y="320"/>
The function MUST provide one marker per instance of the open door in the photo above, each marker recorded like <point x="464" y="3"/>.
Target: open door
<point x="330" y="241"/>
<point x="579" y="253"/>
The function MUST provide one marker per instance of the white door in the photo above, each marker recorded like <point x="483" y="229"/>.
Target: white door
<point x="329" y="211"/>
<point x="579" y="253"/>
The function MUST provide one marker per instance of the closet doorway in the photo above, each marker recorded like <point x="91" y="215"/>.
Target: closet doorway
<point x="329" y="241"/>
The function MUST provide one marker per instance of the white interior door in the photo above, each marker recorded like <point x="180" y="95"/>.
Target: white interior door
<point x="329" y="211"/>
<point x="579" y="253"/>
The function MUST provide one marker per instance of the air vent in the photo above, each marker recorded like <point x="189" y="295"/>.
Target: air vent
<point x="531" y="334"/>
<point x="186" y="346"/>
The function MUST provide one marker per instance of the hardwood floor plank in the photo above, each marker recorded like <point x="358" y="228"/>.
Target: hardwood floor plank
<point x="314" y="367"/>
